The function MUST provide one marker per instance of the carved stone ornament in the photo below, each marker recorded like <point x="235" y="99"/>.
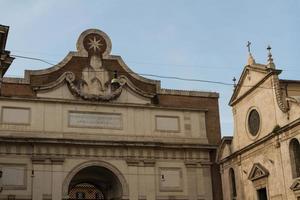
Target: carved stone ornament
<point x="258" y="172"/>
<point x="95" y="82"/>
<point x="92" y="73"/>
<point x="296" y="185"/>
<point x="282" y="103"/>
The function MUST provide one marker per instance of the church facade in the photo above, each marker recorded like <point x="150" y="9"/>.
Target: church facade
<point x="262" y="159"/>
<point x="90" y="128"/>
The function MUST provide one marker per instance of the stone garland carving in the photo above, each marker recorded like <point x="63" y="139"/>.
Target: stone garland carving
<point x="279" y="97"/>
<point x="70" y="78"/>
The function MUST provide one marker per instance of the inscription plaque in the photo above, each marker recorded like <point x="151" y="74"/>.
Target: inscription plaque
<point x="95" y="120"/>
<point x="170" y="179"/>
<point x="167" y="123"/>
<point x="13" y="176"/>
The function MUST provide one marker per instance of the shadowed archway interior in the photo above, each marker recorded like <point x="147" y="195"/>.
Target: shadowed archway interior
<point x="95" y="182"/>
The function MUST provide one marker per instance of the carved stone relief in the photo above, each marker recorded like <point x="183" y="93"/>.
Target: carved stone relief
<point x="258" y="172"/>
<point x="96" y="82"/>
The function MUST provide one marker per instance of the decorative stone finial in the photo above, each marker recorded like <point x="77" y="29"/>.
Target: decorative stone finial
<point x="251" y="60"/>
<point x="270" y="58"/>
<point x="234" y="81"/>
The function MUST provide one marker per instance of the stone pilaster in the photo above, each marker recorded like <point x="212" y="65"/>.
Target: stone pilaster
<point x="204" y="171"/>
<point x="37" y="178"/>
<point x="133" y="180"/>
<point x="191" y="168"/>
<point x="150" y="180"/>
<point x="57" y="178"/>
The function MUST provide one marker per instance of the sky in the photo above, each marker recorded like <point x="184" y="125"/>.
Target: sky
<point x="193" y="39"/>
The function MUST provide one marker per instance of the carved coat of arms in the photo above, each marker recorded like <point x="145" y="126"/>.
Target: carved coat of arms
<point x="95" y="82"/>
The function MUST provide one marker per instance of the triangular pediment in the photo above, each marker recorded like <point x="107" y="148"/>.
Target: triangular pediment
<point x="224" y="148"/>
<point x="251" y="77"/>
<point x="296" y="185"/>
<point x="257" y="172"/>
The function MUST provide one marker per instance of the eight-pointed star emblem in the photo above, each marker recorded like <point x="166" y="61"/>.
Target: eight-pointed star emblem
<point x="95" y="44"/>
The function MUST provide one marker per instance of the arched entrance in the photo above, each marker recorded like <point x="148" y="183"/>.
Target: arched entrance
<point x="95" y="180"/>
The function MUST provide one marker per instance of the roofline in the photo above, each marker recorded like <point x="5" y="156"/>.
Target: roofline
<point x="225" y="139"/>
<point x="233" y="101"/>
<point x="289" y="81"/>
<point x="193" y="93"/>
<point x="133" y="105"/>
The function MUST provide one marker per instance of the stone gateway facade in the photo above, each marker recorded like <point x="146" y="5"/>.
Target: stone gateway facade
<point x="90" y="128"/>
<point x="262" y="160"/>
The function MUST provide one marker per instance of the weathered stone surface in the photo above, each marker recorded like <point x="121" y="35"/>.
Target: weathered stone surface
<point x="260" y="152"/>
<point x="87" y="124"/>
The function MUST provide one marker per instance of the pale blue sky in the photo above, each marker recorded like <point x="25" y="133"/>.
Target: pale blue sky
<point x="186" y="38"/>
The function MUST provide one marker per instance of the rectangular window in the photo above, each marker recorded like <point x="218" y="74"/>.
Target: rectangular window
<point x="262" y="194"/>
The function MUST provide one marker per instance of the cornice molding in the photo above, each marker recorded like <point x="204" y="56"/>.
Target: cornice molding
<point x="108" y="104"/>
<point x="260" y="141"/>
<point x="135" y="143"/>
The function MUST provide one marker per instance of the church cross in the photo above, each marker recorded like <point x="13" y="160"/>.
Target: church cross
<point x="249" y="46"/>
